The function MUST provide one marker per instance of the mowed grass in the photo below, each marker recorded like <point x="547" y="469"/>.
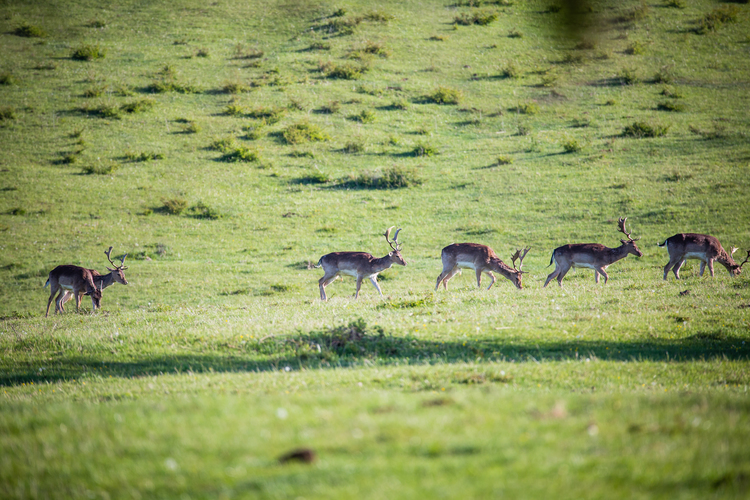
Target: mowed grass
<point x="227" y="146"/>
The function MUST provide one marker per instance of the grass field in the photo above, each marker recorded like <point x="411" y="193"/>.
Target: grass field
<point x="226" y="146"/>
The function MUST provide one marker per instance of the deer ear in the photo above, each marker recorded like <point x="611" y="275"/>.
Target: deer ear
<point x="623" y="241"/>
<point x="113" y="270"/>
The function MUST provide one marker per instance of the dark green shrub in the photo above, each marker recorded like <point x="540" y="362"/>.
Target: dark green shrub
<point x="629" y="76"/>
<point x="29" y="31"/>
<point x="319" y="46"/>
<point x="514" y="33"/>
<point x="316" y="177"/>
<point x="254" y="131"/>
<point x="572" y="146"/>
<point x="422" y="149"/>
<point x="675" y="4"/>
<point x="233" y="109"/>
<point x="670" y="106"/>
<point x="713" y="20"/>
<point x="636" y="48"/>
<point x="479" y="18"/>
<point x="366" y="116"/>
<point x="391" y="178"/>
<point x="528" y="108"/>
<point x="585" y="45"/>
<point x="378" y="17"/>
<point x="302" y="132"/>
<point x="7" y="113"/>
<point x="401" y="104"/>
<point x="664" y="75"/>
<point x="100" y="169"/>
<point x="354" y="147"/>
<point x="346" y="71"/>
<point x="172" y="85"/>
<point x="235" y="87"/>
<point x="204" y="52"/>
<point x="510" y="71"/>
<point x="224" y="145"/>
<point x="340" y="12"/>
<point x="523" y="130"/>
<point x="174" y="206"/>
<point x="269" y="115"/>
<point x="717" y="132"/>
<point x="504" y="160"/>
<point x="95" y="91"/>
<point x="642" y="129"/>
<point x="88" y="53"/>
<point x="445" y="95"/>
<point x="439" y="38"/>
<point x="141" y="157"/>
<point x="331" y="108"/>
<point x="7" y="78"/>
<point x="191" y="127"/>
<point x="202" y="211"/>
<point x="96" y="24"/>
<point x="240" y="154"/>
<point x="342" y="25"/>
<point x="670" y="92"/>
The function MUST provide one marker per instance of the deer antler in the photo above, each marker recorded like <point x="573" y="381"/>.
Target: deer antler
<point x="746" y="259"/>
<point x="520" y="257"/>
<point x="393" y="243"/>
<point x="621" y="227"/>
<point x="734" y="249"/>
<point x="109" y="258"/>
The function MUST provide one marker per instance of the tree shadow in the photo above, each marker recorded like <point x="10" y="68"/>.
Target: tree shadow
<point x="357" y="344"/>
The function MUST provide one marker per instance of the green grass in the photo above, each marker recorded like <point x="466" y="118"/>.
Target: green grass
<point x="218" y="357"/>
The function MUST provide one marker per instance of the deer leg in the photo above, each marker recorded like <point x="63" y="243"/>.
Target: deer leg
<point x="456" y="270"/>
<point x="552" y="275"/>
<point x="710" y="268"/>
<point x="323" y="283"/>
<point x="53" y="291"/>
<point x="443" y="276"/>
<point x="603" y="273"/>
<point x="670" y="265"/>
<point x="489" y="273"/>
<point x="677" y="267"/>
<point x="479" y="278"/>
<point x="562" y="274"/>
<point x="374" y="282"/>
<point x="359" y="284"/>
<point x="596" y="276"/>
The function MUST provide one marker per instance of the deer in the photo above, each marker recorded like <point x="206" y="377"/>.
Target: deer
<point x="115" y="275"/>
<point x="75" y="278"/>
<point x="482" y="259"/>
<point x="591" y="256"/>
<point x="703" y="247"/>
<point x="359" y="265"/>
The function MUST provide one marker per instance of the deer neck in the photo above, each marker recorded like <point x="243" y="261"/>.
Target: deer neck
<point x="618" y="253"/>
<point x="501" y="267"/>
<point x="382" y="263"/>
<point x="105" y="280"/>
<point x="726" y="260"/>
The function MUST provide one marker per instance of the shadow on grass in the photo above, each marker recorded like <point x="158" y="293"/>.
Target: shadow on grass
<point x="357" y="344"/>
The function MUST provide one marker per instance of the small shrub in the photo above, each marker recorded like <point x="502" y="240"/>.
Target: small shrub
<point x="670" y="106"/>
<point x="141" y="157"/>
<point x="580" y="122"/>
<point x="316" y="177"/>
<point x="268" y="115"/>
<point x="319" y="46"/>
<point x="571" y="58"/>
<point x="523" y="130"/>
<point x="232" y="109"/>
<point x="503" y="160"/>
<point x="422" y="149"/>
<point x="69" y="158"/>
<point x="16" y="211"/>
<point x="342" y="25"/>
<point x="629" y="76"/>
<point x="138" y="106"/>
<point x="191" y="127"/>
<point x="235" y="87"/>
<point x="585" y="45"/>
<point x="103" y="111"/>
<point x="553" y="9"/>
<point x="549" y="79"/>
<point x="713" y="20"/>
<point x="445" y="95"/>
<point x="439" y="38"/>
<point x="354" y="147"/>
<point x="296" y="105"/>
<point x="172" y="85"/>
<point x="340" y="12"/>
<point x="479" y="18"/>
<point x="96" y="24"/>
<point x="204" y="52"/>
<point x="331" y="108"/>
<point x="7" y="79"/>
<point x="717" y="132"/>
<point x="366" y="116"/>
<point x="224" y="145"/>
<point x="378" y="17"/>
<point x="529" y="108"/>
<point x="401" y="104"/>
<point x="100" y="169"/>
<point x="636" y="48"/>
<point x="240" y="154"/>
<point x="302" y="132"/>
<point x="346" y="71"/>
<point x="642" y="129"/>
<point x="88" y="53"/>
<point x="664" y="75"/>
<point x="29" y="31"/>
<point x="202" y="211"/>
<point x="255" y="131"/>
<point x="510" y="71"/>
<point x="95" y="91"/>
<point x="7" y="113"/>
<point x="670" y="92"/>
<point x="174" y="206"/>
<point x="610" y="102"/>
<point x="392" y="178"/>
<point x="514" y="33"/>
<point x="675" y="4"/>
<point x="572" y="146"/>
<point x="240" y="52"/>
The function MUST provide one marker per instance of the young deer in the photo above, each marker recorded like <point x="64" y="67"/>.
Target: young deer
<point x="76" y="279"/>
<point x="359" y="264"/>
<point x="115" y="275"/>
<point x="592" y="256"/>
<point x="706" y="248"/>
<point x="480" y="258"/>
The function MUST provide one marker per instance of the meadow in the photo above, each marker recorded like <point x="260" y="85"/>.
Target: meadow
<point x="227" y="146"/>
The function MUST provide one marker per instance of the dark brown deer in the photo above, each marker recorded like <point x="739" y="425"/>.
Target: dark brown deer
<point x="76" y="279"/>
<point x="703" y="247"/>
<point x="482" y="259"/>
<point x="115" y="275"/>
<point x="359" y="264"/>
<point x="591" y="256"/>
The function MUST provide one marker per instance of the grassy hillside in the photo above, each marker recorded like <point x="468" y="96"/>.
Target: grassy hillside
<point x="226" y="146"/>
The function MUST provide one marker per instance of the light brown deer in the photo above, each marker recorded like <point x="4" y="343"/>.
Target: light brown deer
<point x="359" y="264"/>
<point x="703" y="247"/>
<point x="591" y="256"/>
<point x="480" y="258"/>
<point x="115" y="275"/>
<point x="76" y="279"/>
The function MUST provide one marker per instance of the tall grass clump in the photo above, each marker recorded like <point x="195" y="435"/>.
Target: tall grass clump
<point x="138" y="106"/>
<point x="174" y="206"/>
<point x="391" y="178"/>
<point x="240" y="154"/>
<point x="480" y="18"/>
<point x="715" y="19"/>
<point x="444" y="95"/>
<point x="7" y="113"/>
<point x="29" y="31"/>
<point x="422" y="149"/>
<point x="7" y="78"/>
<point x="88" y="53"/>
<point x="345" y="71"/>
<point x="640" y="130"/>
<point x="302" y="132"/>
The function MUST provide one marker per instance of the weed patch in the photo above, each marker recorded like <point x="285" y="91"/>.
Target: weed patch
<point x="240" y="154"/>
<point x="445" y="95"/>
<point x="88" y="53"/>
<point x="302" y="132"/>
<point x="479" y="18"/>
<point x="106" y="168"/>
<point x="174" y="206"/>
<point x="141" y="157"/>
<point x="715" y="19"/>
<point x="423" y="149"/>
<point x="670" y="106"/>
<point x="7" y="113"/>
<point x="138" y="106"/>
<point x="345" y="71"/>
<point x="640" y="130"/>
<point x="29" y="31"/>
<point x="391" y="178"/>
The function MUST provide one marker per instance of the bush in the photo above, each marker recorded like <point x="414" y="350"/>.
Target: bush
<point x="314" y="178"/>
<point x="319" y="46"/>
<point x="504" y="160"/>
<point x="391" y="178"/>
<point x="523" y="130"/>
<point x="664" y="75"/>
<point x="172" y="85"/>
<point x="716" y="18"/>
<point x="204" y="52"/>
<point x="401" y="104"/>
<point x="354" y="147"/>
<point x="510" y="71"/>
<point x="254" y="131"/>
<point x="88" y="53"/>
<point x="235" y="87"/>
<point x="422" y="149"/>
<point x="344" y="71"/>
<point x="138" y="106"/>
<point x="366" y="116"/>
<point x="224" y="145"/>
<point x="670" y="106"/>
<point x="642" y="129"/>
<point x="717" y="132"/>
<point x="439" y="38"/>
<point x="670" y="92"/>
<point x="636" y="48"/>
<point x="479" y="18"/>
<point x="331" y="108"/>
<point x="445" y="95"/>
<point x="202" y="211"/>
<point x="100" y="169"/>
<point x="240" y="153"/>
<point x="232" y="109"/>
<point x="191" y="127"/>
<point x="302" y="132"/>
<point x="174" y="206"/>
<point x="629" y="76"/>
<point x="514" y="33"/>
<point x="572" y="146"/>
<point x="140" y="157"/>
<point x="7" y="79"/>
<point x="378" y="17"/>
<point x="7" y="113"/>
<point x="268" y="115"/>
<point x="342" y="25"/>
<point x="675" y="4"/>
<point x="29" y="31"/>
<point x="529" y="108"/>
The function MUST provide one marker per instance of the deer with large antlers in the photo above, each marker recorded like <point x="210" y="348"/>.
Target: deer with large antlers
<point x="78" y="280"/>
<point x="359" y="264"/>
<point x="482" y="259"/>
<point x="703" y="247"/>
<point x="591" y="256"/>
<point x="115" y="275"/>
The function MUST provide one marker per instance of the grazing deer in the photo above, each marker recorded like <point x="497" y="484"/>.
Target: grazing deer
<point x="115" y="275"/>
<point x="359" y="264"/>
<point x="592" y="256"/>
<point x="75" y="278"/>
<point x="480" y="258"/>
<point x="706" y="248"/>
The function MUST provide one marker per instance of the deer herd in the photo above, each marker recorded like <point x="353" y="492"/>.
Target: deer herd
<point x="75" y="281"/>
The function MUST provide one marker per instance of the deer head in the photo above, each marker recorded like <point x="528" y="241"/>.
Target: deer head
<point x="117" y="272"/>
<point x="395" y="245"/>
<point x="630" y="242"/>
